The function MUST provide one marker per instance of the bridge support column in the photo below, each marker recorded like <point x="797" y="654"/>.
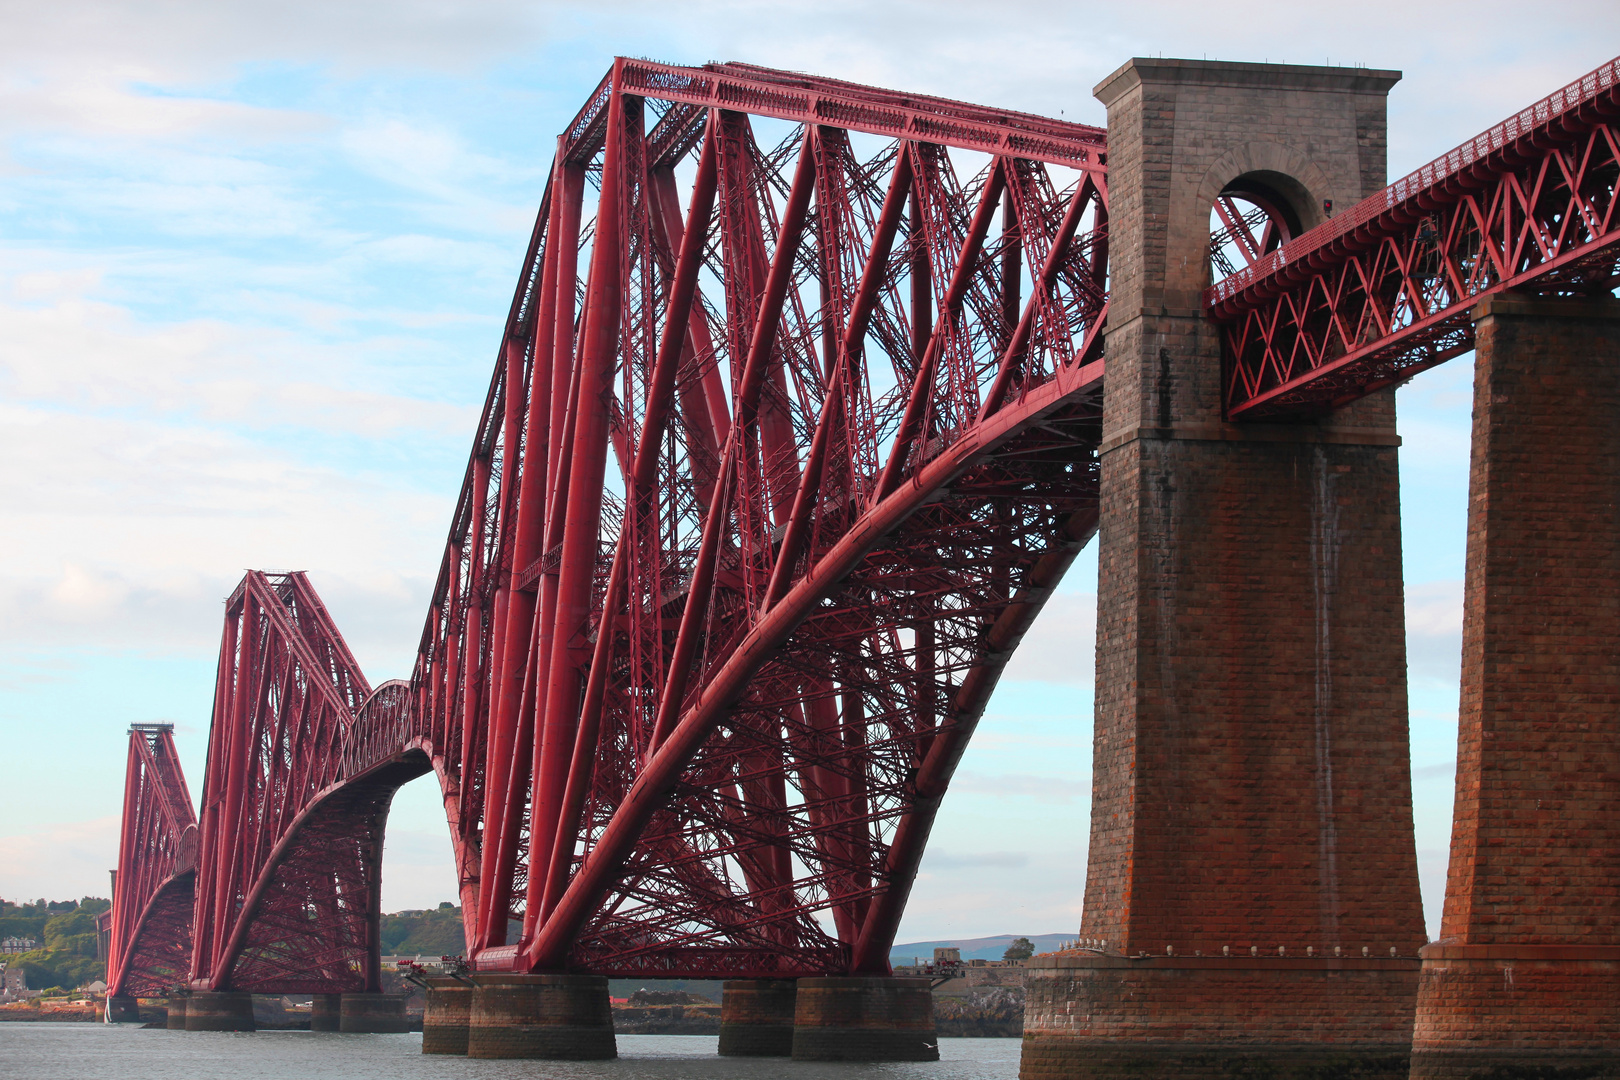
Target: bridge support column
<point x="445" y="1015"/>
<point x="326" y="1012"/>
<point x="374" y="1014"/>
<point x="219" y="1010"/>
<point x="122" y="1009"/>
<point x="756" y="1017"/>
<point x="864" y="1019"/>
<point x="1251" y="827"/>
<point x="555" y="1017"/>
<point x="175" y="1013"/>
<point x="1523" y="979"/>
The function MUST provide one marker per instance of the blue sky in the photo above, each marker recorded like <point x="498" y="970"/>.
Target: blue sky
<point x="253" y="262"/>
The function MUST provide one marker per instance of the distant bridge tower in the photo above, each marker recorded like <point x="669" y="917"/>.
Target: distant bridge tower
<point x="1252" y="892"/>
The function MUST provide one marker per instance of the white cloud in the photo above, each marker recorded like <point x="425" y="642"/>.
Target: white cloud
<point x="61" y="863"/>
<point x="1061" y="645"/>
<point x="935" y="859"/>
<point x="1434" y="614"/>
<point x="1043" y="789"/>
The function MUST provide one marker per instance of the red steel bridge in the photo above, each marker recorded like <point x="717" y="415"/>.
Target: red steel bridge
<point x="792" y="430"/>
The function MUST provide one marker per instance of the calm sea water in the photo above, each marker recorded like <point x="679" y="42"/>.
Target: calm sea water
<point x="126" y="1052"/>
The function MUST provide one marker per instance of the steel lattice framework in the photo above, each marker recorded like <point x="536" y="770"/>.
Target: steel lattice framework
<point x="761" y="501"/>
<point x="1384" y="290"/>
<point x="149" y="947"/>
<point x="292" y="814"/>
<point x="765" y="492"/>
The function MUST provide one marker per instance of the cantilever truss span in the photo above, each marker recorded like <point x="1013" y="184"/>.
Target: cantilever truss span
<point x="784" y="449"/>
<point x="149" y="944"/>
<point x="791" y="432"/>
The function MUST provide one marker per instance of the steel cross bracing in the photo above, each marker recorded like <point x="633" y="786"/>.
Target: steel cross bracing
<point x="1384" y="289"/>
<point x="292" y="810"/>
<point x="149" y="947"/>
<point x="765" y="491"/>
<point x="784" y="448"/>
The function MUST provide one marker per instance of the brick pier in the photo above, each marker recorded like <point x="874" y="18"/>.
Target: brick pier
<point x="445" y="1015"/>
<point x="1524" y="978"/>
<point x="1251" y="811"/>
<point x="864" y="1018"/>
<point x="756" y="1017"/>
<point x="557" y="1017"/>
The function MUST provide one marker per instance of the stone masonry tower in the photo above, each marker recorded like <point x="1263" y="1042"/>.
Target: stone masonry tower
<point x="1252" y="894"/>
<point x="1522" y="982"/>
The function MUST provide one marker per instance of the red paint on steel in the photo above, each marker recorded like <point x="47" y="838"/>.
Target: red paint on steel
<point x="1385" y="289"/>
<point x="735" y="562"/>
<point x="149" y="948"/>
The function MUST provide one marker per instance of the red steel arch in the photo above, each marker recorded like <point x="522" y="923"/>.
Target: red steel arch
<point x="293" y="808"/>
<point x="746" y="538"/>
<point x="786" y="445"/>
<point x="149" y="947"/>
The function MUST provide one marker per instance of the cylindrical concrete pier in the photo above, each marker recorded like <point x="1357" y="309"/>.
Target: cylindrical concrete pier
<point x="222" y="1010"/>
<point x="326" y="1012"/>
<point x="445" y="1016"/>
<point x="556" y="1017"/>
<point x="374" y="1014"/>
<point x="864" y="1019"/>
<point x="756" y="1017"/>
<point x="122" y="1009"/>
<point x="176" y="1013"/>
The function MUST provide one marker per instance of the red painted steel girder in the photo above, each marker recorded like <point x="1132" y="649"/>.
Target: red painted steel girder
<point x="762" y="498"/>
<point x="1384" y="290"/>
<point x="149" y="945"/>
<point x="292" y="812"/>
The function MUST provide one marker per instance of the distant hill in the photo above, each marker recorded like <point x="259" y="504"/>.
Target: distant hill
<point x="980" y="948"/>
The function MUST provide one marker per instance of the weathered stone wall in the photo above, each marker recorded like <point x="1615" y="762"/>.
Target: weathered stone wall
<point x="1251" y="764"/>
<point x="1530" y="940"/>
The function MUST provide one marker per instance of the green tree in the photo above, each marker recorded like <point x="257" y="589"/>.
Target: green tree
<point x="1021" y="949"/>
<point x="434" y="932"/>
<point x="71" y="924"/>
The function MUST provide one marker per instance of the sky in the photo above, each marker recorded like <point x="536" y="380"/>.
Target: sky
<point x="254" y="260"/>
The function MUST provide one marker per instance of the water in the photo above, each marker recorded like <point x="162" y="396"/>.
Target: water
<point x="126" y="1052"/>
